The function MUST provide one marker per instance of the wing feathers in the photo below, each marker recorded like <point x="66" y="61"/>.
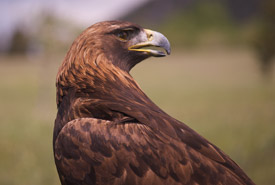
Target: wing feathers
<point x="94" y="150"/>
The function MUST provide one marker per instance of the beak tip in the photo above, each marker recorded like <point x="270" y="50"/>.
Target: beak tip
<point x="168" y="52"/>
<point x="167" y="48"/>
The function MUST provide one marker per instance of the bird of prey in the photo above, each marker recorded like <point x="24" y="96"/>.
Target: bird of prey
<point x="108" y="132"/>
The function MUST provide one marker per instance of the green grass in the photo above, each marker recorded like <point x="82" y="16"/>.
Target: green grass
<point x="27" y="113"/>
<point x="219" y="93"/>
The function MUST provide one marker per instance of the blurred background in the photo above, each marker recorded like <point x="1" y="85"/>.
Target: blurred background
<point x="219" y="79"/>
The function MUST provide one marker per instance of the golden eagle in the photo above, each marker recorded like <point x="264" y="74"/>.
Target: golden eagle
<point x="108" y="132"/>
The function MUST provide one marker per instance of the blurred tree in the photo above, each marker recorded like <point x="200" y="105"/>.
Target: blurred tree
<point x="53" y="34"/>
<point x="46" y="35"/>
<point x="265" y="37"/>
<point x="19" y="42"/>
<point x="201" y="22"/>
<point x="243" y="11"/>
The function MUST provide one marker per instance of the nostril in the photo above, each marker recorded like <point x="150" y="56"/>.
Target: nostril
<point x="150" y="37"/>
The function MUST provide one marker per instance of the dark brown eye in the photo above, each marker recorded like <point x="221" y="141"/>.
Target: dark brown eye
<point x="125" y="35"/>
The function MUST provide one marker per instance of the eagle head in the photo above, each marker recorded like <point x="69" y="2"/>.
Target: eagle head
<point x="105" y="46"/>
<point x="125" y="44"/>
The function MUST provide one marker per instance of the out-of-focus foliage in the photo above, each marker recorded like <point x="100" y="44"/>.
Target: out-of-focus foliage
<point x="265" y="36"/>
<point x="48" y="35"/>
<point x="55" y="35"/>
<point x="19" y="42"/>
<point x="190" y="27"/>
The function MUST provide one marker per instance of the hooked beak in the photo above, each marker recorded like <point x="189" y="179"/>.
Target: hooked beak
<point x="149" y="39"/>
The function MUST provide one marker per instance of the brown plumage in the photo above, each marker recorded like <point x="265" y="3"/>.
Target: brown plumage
<point x="107" y="131"/>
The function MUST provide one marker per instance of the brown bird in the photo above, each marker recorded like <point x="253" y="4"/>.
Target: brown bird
<point x="107" y="131"/>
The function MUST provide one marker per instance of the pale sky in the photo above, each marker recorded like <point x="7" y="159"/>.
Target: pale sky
<point x="81" y="12"/>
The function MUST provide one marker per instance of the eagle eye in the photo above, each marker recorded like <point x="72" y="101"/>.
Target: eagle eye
<point x="124" y="35"/>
